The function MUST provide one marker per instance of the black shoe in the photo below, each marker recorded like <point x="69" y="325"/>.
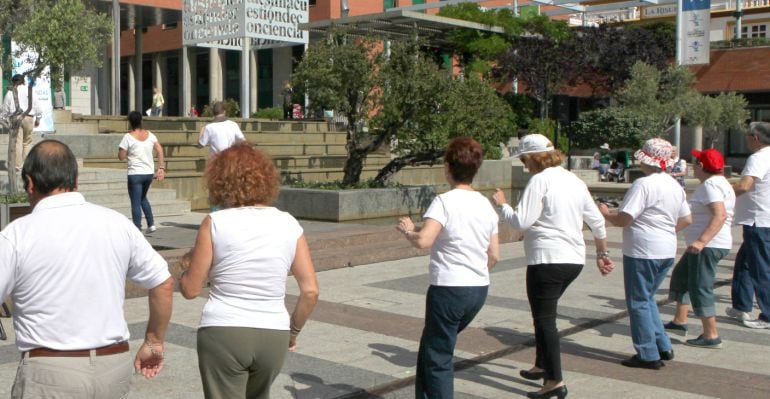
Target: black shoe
<point x="680" y="329"/>
<point x="635" y="362"/>
<point x="532" y="375"/>
<point x="667" y="355"/>
<point x="560" y="393"/>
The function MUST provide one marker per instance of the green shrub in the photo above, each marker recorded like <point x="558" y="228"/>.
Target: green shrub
<point x="268" y="113"/>
<point x="232" y="109"/>
<point x="19" y="198"/>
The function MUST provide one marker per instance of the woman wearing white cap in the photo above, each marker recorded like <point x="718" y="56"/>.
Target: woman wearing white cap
<point x="654" y="209"/>
<point x="551" y="212"/>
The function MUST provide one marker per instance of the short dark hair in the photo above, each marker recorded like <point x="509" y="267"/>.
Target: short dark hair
<point x="218" y="108"/>
<point x="50" y="165"/>
<point x="463" y="155"/>
<point x="134" y="120"/>
<point x="17" y="79"/>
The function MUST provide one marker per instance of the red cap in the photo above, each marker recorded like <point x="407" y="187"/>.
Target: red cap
<point x="710" y="159"/>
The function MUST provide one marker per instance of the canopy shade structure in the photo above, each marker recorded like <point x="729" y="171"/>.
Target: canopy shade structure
<point x="135" y="15"/>
<point x="396" y="25"/>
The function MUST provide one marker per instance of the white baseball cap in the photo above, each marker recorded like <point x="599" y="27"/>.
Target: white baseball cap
<point x="533" y="143"/>
<point x="605" y="146"/>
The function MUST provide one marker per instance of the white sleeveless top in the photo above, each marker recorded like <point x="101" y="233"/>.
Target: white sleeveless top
<point x="253" y="252"/>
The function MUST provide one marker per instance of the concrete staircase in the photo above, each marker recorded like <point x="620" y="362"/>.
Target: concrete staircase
<point x="106" y="186"/>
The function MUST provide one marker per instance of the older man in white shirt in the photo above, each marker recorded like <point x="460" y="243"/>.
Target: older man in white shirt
<point x="28" y="122"/>
<point x="65" y="266"/>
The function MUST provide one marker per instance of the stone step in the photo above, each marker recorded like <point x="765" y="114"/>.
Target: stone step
<point x="116" y="124"/>
<point x="159" y="208"/>
<point x="289" y="162"/>
<point x="255" y="137"/>
<point x="274" y="149"/>
<point x="120" y="196"/>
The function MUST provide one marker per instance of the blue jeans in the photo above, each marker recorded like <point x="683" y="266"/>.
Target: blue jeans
<point x="448" y="310"/>
<point x="641" y="278"/>
<point x="751" y="274"/>
<point x="138" y="185"/>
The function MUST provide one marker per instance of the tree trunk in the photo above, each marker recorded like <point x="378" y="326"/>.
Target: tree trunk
<point x="425" y="158"/>
<point x="354" y="163"/>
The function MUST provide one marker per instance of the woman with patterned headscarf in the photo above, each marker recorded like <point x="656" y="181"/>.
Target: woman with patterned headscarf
<point x="654" y="209"/>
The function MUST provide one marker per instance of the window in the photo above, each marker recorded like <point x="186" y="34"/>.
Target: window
<point x="388" y="4"/>
<point x="757" y="30"/>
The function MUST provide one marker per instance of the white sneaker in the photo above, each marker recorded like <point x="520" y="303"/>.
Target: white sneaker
<point x="738" y="315"/>
<point x="151" y="229"/>
<point x="756" y="323"/>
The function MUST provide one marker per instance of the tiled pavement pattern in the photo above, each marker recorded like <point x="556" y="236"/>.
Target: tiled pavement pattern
<point x="363" y="337"/>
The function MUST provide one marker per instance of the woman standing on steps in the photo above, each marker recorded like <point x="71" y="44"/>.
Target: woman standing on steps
<point x="551" y="213"/>
<point x="137" y="147"/>
<point x="461" y="230"/>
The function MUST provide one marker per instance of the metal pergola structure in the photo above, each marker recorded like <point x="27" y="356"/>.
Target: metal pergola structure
<point x="396" y="24"/>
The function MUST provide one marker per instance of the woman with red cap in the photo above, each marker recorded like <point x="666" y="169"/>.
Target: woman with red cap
<point x="709" y="239"/>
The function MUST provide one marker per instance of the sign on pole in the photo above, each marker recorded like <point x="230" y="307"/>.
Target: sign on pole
<point x="695" y="32"/>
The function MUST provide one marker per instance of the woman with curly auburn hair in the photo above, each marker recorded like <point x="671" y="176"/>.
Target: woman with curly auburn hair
<point x="551" y="212"/>
<point x="461" y="230"/>
<point x="246" y="250"/>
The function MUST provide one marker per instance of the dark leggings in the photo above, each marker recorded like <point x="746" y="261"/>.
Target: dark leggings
<point x="545" y="285"/>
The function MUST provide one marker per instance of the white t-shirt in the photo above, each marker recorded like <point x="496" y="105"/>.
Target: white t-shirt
<point x="220" y="136"/>
<point x="655" y="202"/>
<point x="140" y="161"/>
<point x="551" y="211"/>
<point x="753" y="207"/>
<point x="253" y="252"/>
<point x="714" y="189"/>
<point x="65" y="266"/>
<point x="459" y="257"/>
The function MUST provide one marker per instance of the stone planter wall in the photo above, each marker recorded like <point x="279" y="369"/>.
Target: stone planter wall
<point x="344" y="205"/>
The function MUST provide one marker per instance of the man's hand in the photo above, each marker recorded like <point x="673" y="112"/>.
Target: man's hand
<point x="695" y="247"/>
<point x="149" y="359"/>
<point x="292" y="343"/>
<point x="499" y="197"/>
<point x="603" y="209"/>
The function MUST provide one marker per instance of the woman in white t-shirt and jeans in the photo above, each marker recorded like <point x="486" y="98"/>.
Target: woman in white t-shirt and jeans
<point x="551" y="213"/>
<point x="137" y="147"/>
<point x="461" y="230"/>
<point x="654" y="209"/>
<point x="246" y="251"/>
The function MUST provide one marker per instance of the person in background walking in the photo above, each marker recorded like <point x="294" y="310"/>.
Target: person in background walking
<point x="157" y="102"/>
<point x="246" y="251"/>
<point x="751" y="274"/>
<point x="679" y="168"/>
<point x="221" y="133"/>
<point x="461" y="230"/>
<point x="551" y="213"/>
<point x="137" y="147"/>
<point x="654" y="209"/>
<point x="709" y="239"/>
<point x="28" y="123"/>
<point x="59" y="98"/>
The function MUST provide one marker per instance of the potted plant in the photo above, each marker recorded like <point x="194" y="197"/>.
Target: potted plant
<point x="12" y="207"/>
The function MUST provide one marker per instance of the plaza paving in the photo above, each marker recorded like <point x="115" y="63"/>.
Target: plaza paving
<point x="362" y="339"/>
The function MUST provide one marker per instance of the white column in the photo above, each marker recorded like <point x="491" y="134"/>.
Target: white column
<point x="115" y="78"/>
<point x="216" y="84"/>
<point x="159" y="73"/>
<point x="185" y="87"/>
<point x="131" y="86"/>
<point x="253" y="79"/>
<point x="138" y="78"/>
<point x="245" y="78"/>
